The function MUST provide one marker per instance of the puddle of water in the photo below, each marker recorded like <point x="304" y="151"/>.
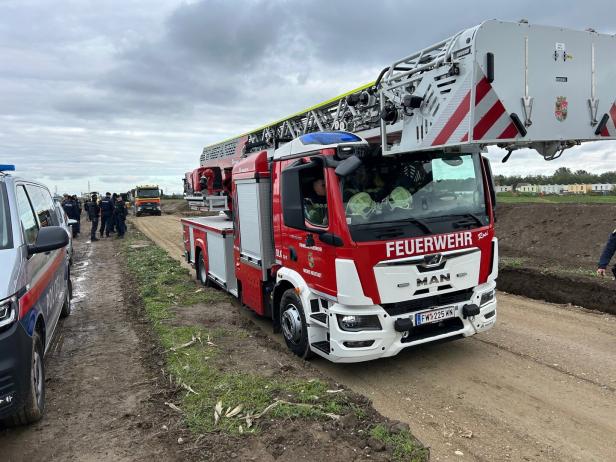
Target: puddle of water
<point x="81" y="271"/>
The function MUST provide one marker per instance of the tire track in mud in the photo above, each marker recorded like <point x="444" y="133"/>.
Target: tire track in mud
<point x="97" y="402"/>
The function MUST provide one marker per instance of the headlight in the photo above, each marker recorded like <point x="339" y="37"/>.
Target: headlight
<point x="8" y="311"/>
<point x="487" y="297"/>
<point x="356" y="323"/>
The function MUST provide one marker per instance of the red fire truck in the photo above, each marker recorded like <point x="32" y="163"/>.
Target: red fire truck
<point x="365" y="225"/>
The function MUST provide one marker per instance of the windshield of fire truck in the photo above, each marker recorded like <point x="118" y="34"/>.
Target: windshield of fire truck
<point x="414" y="195"/>
<point x="148" y="193"/>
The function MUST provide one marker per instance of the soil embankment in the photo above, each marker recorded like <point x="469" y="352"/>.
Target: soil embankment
<point x="550" y="252"/>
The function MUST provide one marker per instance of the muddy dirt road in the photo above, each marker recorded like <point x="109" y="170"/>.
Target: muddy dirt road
<point x="98" y="384"/>
<point x="540" y="386"/>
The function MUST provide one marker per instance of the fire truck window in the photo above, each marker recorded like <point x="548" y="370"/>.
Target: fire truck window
<point x="314" y="193"/>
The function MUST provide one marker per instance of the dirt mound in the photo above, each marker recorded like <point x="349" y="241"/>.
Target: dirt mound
<point x="569" y="234"/>
<point x="174" y="206"/>
<point x="550" y="252"/>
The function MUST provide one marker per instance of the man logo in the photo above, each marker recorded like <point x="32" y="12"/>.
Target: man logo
<point x="434" y="280"/>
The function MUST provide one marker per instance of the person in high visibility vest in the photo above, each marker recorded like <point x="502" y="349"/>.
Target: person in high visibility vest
<point x="315" y="206"/>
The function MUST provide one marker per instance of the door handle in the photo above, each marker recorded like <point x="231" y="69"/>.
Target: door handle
<point x="292" y="253"/>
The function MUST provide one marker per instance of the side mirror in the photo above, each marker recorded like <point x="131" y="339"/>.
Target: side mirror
<point x="49" y="238"/>
<point x="488" y="168"/>
<point x="348" y="166"/>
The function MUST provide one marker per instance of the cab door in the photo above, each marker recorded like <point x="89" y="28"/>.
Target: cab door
<point x="305" y="196"/>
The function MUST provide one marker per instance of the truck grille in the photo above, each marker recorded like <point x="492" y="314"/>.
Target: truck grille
<point x="411" y="306"/>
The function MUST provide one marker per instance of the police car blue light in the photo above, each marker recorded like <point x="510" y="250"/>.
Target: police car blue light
<point x="7" y="168"/>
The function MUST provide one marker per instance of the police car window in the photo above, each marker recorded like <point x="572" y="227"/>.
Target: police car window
<point x="314" y="194"/>
<point x="26" y="216"/>
<point x="43" y="205"/>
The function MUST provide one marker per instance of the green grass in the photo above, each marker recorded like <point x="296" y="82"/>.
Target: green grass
<point x="510" y="198"/>
<point x="164" y="287"/>
<point x="403" y="445"/>
<point x="521" y="262"/>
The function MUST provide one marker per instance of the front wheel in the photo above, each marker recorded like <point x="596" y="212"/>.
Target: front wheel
<point x="293" y="324"/>
<point x="34" y="396"/>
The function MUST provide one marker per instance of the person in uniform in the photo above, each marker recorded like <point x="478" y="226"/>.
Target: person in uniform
<point x="119" y="213"/>
<point x="94" y="212"/>
<point x="606" y="256"/>
<point x="68" y="204"/>
<point x="77" y="212"/>
<point x="315" y="206"/>
<point x="106" y="206"/>
<point x="114" y="224"/>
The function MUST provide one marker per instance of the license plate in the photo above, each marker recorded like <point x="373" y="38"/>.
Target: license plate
<point x="428" y="317"/>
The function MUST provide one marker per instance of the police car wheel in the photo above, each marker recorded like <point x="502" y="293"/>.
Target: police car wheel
<point x="66" y="306"/>
<point x="34" y="397"/>
<point x="293" y="324"/>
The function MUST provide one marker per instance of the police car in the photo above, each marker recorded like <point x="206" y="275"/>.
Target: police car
<point x="35" y="292"/>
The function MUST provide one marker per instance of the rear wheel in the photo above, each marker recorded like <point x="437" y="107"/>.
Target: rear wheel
<point x="34" y="397"/>
<point x="201" y="270"/>
<point x="66" y="307"/>
<point x="293" y="324"/>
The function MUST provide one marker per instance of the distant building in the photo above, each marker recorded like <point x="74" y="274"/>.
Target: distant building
<point x="578" y="188"/>
<point x="602" y="188"/>
<point x="502" y="189"/>
<point x="527" y="188"/>
<point x="552" y="188"/>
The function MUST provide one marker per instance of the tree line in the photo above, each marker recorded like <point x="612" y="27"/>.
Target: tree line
<point x="563" y="175"/>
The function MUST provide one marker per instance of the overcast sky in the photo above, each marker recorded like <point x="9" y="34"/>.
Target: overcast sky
<point x="119" y="92"/>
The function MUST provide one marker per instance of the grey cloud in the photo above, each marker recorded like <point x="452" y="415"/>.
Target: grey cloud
<point x="124" y="88"/>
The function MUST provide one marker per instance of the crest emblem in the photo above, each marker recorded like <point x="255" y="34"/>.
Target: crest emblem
<point x="310" y="260"/>
<point x="560" y="108"/>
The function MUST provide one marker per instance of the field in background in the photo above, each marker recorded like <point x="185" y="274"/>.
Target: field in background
<point x="510" y="198"/>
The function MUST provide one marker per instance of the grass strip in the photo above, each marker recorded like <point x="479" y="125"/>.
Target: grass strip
<point x="164" y="288"/>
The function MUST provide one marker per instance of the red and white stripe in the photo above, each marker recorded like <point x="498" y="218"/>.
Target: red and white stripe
<point x="610" y="128"/>
<point x="492" y="122"/>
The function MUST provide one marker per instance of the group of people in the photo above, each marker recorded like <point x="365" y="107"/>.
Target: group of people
<point x="111" y="211"/>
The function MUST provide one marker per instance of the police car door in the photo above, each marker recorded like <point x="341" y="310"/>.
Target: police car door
<point x="52" y="267"/>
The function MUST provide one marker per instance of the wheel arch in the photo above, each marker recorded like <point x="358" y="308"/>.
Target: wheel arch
<point x="287" y="279"/>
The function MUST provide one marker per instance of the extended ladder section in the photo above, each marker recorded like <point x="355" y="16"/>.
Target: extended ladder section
<point x="514" y="85"/>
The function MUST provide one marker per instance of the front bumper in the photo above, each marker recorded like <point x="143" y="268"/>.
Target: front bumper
<point x="15" y="360"/>
<point x="151" y="209"/>
<point x="388" y="342"/>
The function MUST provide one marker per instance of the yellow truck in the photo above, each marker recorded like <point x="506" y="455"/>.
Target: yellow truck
<point x="145" y="199"/>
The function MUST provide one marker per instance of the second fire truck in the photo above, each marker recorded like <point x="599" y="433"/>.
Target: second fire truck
<point x="365" y="225"/>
